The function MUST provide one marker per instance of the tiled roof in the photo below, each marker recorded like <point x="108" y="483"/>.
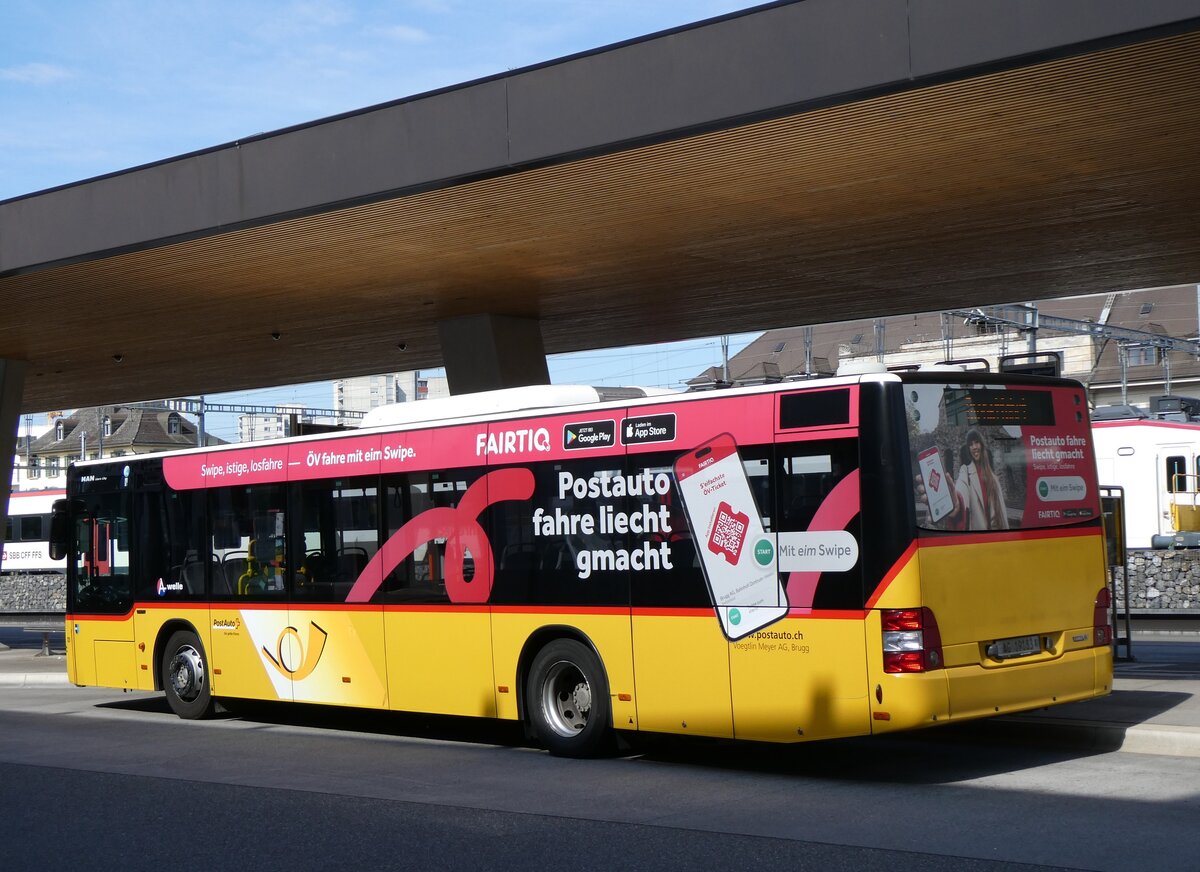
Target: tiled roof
<point x="133" y="429"/>
<point x="1171" y="311"/>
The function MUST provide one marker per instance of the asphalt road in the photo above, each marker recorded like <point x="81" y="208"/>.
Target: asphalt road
<point x="114" y="781"/>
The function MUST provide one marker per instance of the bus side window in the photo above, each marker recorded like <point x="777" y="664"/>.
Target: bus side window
<point x="335" y="535"/>
<point x="171" y="539"/>
<point x="545" y="547"/>
<point x="806" y="473"/>
<point x="101" y="574"/>
<point x="420" y="576"/>
<point x="250" y="564"/>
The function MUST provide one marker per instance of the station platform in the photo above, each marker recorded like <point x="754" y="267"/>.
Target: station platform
<point x="1154" y="707"/>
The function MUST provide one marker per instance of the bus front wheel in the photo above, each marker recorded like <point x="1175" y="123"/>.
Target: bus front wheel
<point x="567" y="697"/>
<point x="185" y="676"/>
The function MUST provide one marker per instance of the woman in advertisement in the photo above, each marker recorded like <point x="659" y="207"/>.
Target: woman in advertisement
<point x="978" y="487"/>
<point x="973" y="499"/>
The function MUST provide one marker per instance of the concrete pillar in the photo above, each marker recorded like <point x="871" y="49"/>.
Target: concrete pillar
<point x="12" y="384"/>
<point x="488" y="352"/>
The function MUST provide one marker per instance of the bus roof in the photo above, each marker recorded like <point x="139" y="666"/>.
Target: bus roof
<point x="536" y="399"/>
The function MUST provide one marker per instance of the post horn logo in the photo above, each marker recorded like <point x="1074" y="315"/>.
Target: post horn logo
<point x="307" y="656"/>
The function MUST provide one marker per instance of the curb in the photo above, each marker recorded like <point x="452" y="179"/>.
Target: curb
<point x="34" y="679"/>
<point x="1160" y="739"/>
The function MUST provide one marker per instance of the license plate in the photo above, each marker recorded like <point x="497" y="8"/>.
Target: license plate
<point x="1017" y="646"/>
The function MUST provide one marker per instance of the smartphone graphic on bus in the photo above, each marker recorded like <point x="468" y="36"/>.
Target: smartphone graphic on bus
<point x="737" y="555"/>
<point x="937" y="486"/>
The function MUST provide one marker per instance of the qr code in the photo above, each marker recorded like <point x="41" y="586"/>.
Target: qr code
<point x="728" y="533"/>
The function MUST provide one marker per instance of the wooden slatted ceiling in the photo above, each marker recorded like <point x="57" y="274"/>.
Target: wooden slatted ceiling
<point x="1074" y="176"/>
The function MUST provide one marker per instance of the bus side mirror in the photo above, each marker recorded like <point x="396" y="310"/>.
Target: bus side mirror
<point x="60" y="529"/>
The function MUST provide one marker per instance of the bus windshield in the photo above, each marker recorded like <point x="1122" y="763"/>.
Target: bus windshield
<point x="997" y="457"/>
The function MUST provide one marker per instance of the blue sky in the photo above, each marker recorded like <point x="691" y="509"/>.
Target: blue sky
<point x="93" y="86"/>
<point x="89" y="87"/>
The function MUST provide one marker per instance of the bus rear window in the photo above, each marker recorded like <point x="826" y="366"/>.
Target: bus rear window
<point x="990" y="457"/>
<point x="824" y="408"/>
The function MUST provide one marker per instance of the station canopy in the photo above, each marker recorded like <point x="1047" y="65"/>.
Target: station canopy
<point x="798" y="163"/>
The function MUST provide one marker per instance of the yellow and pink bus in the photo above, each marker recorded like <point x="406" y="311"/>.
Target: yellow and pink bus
<point x="780" y="563"/>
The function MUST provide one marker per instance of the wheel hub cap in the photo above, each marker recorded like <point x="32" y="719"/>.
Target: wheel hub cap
<point x="187" y="673"/>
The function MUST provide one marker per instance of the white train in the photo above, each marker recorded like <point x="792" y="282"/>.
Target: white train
<point x="1155" y="458"/>
<point x="27" y="531"/>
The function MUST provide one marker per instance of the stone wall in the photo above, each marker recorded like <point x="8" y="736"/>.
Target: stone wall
<point x="29" y="592"/>
<point x="1162" y="580"/>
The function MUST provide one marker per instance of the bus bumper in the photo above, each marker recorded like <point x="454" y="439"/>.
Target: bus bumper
<point x="963" y="693"/>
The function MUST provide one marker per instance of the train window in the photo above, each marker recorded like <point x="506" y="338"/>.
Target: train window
<point x="1176" y="470"/>
<point x="33" y="528"/>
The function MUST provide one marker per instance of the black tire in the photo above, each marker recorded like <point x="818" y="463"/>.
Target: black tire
<point x="566" y="695"/>
<point x="185" y="676"/>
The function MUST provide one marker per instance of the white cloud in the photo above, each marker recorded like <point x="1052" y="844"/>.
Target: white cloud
<point x="302" y="19"/>
<point x="434" y="7"/>
<point x="35" y="74"/>
<point x="404" y="33"/>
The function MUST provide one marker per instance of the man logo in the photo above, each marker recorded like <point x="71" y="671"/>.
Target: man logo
<point x="298" y="661"/>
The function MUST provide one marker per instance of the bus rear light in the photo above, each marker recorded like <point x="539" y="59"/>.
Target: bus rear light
<point x="1101" y="629"/>
<point x="911" y="641"/>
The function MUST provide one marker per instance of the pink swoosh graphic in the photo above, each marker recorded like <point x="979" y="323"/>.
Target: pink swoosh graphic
<point x="461" y="528"/>
<point x="836" y="511"/>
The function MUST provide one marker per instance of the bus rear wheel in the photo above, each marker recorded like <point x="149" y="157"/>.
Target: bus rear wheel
<point x="185" y="676"/>
<point x="567" y="697"/>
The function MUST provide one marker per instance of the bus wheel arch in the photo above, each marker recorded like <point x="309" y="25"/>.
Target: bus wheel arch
<point x="165" y="632"/>
<point x="564" y="693"/>
<point x="184" y="672"/>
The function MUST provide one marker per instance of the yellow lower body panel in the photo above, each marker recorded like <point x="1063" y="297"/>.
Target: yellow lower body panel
<point x="440" y="661"/>
<point x="238" y="654"/>
<point x="681" y="664"/>
<point x="800" y="679"/>
<point x="115" y="664"/>
<point x="333" y="657"/>
<point x="92" y="660"/>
